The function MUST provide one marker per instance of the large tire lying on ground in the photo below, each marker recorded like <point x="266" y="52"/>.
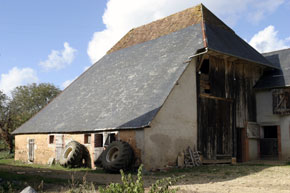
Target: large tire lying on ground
<point x="86" y="158"/>
<point x="72" y="155"/>
<point x="118" y="155"/>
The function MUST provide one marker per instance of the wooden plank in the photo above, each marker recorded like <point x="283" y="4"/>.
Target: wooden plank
<point x="222" y="161"/>
<point x="214" y="97"/>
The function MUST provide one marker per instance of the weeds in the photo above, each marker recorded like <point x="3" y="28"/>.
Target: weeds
<point x="7" y="188"/>
<point x="130" y="186"/>
<point x="84" y="187"/>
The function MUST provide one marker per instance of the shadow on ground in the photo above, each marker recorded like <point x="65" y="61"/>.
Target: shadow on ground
<point x="58" y="179"/>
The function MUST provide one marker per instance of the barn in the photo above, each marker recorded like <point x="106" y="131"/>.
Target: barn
<point x="184" y="80"/>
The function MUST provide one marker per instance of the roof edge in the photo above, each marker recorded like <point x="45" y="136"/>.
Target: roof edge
<point x="249" y="60"/>
<point x="89" y="131"/>
<point x="275" y="51"/>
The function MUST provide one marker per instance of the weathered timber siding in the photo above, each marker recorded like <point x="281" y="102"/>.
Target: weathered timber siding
<point x="175" y="126"/>
<point x="230" y="104"/>
<point x="235" y="80"/>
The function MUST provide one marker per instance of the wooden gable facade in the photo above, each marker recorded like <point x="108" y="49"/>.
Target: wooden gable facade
<point x="226" y="103"/>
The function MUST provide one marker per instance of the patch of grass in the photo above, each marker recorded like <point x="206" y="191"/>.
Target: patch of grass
<point x="30" y="179"/>
<point x="5" y="155"/>
<point x="12" y="182"/>
<point x="12" y="162"/>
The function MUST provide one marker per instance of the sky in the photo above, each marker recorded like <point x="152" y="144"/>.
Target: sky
<point x="55" y="41"/>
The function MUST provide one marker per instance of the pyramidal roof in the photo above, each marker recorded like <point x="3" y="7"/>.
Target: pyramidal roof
<point x="126" y="88"/>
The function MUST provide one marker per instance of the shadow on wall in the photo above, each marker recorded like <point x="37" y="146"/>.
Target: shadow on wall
<point x="143" y="120"/>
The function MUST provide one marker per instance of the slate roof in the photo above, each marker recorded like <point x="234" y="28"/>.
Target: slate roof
<point x="126" y="88"/>
<point x="276" y="78"/>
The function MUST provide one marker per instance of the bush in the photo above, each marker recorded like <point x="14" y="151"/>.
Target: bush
<point x="130" y="186"/>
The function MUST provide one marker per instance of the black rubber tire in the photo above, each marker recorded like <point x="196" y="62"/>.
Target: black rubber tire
<point x="71" y="155"/>
<point x="86" y="157"/>
<point x="118" y="155"/>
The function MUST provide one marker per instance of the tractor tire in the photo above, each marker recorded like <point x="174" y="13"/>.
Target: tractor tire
<point x="71" y="155"/>
<point x="118" y="155"/>
<point x="86" y="158"/>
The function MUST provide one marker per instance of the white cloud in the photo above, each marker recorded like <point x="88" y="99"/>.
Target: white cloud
<point x="59" y="59"/>
<point x="121" y="16"/>
<point x="267" y="40"/>
<point x="16" y="77"/>
<point x="86" y="67"/>
<point x="67" y="83"/>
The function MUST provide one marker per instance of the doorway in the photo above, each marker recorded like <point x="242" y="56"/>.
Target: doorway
<point x="269" y="142"/>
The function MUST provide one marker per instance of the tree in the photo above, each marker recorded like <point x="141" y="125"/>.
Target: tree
<point x="25" y="102"/>
<point x="5" y="120"/>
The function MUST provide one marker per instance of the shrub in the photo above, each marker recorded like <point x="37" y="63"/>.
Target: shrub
<point x="128" y="184"/>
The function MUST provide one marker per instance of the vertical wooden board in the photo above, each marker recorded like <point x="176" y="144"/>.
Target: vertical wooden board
<point x="217" y="76"/>
<point x="229" y="80"/>
<point x="215" y="127"/>
<point x="239" y="84"/>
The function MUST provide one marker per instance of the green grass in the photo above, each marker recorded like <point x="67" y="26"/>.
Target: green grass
<point x="30" y="179"/>
<point x="12" y="162"/>
<point x="5" y="155"/>
<point x="12" y="182"/>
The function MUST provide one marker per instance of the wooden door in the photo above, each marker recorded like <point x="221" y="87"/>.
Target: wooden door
<point x="31" y="150"/>
<point x="215" y="128"/>
<point x="59" y="144"/>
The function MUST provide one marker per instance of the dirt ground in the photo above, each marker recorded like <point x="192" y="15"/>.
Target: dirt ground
<point x="241" y="178"/>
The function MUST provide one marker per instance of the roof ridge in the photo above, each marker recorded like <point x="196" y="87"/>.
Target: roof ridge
<point x="160" y="27"/>
<point x="210" y="18"/>
<point x="284" y="49"/>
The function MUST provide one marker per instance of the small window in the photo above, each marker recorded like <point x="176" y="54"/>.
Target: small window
<point x="98" y="140"/>
<point x="111" y="137"/>
<point x="270" y="132"/>
<point x="205" y="67"/>
<point x="87" y="139"/>
<point x="51" y="139"/>
<point x="204" y="77"/>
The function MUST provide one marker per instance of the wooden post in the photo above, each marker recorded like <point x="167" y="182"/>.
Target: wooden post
<point x="279" y="142"/>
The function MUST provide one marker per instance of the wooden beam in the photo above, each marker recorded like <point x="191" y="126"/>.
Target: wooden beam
<point x="214" y="97"/>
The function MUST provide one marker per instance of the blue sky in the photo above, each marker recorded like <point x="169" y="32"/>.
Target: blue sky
<point x="55" y="41"/>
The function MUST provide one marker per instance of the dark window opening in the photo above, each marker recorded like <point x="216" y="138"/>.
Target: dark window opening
<point x="87" y="139"/>
<point x="51" y="139"/>
<point x="204" y="77"/>
<point x="205" y="67"/>
<point x="269" y="144"/>
<point x="270" y="132"/>
<point x="98" y="140"/>
<point x="110" y="139"/>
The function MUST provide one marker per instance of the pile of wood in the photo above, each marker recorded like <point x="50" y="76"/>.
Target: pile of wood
<point x="191" y="158"/>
